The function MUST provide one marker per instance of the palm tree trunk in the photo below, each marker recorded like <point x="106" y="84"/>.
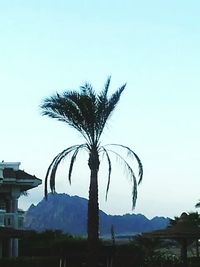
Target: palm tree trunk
<point x="184" y="253"/>
<point x="197" y="247"/>
<point x="93" y="210"/>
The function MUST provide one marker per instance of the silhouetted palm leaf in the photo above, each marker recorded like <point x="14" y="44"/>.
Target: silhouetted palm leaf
<point x="51" y="171"/>
<point x="73" y="158"/>
<point x="131" y="153"/>
<point x="130" y="173"/>
<point x="109" y="170"/>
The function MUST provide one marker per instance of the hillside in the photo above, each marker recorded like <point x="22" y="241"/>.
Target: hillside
<point x="69" y="214"/>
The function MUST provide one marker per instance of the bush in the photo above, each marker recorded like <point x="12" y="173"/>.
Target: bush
<point x="30" y="262"/>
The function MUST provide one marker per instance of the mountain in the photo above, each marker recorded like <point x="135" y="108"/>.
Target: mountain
<point x="69" y="214"/>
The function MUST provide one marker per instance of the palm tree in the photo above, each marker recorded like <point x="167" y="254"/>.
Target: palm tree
<point x="88" y="113"/>
<point x="191" y="219"/>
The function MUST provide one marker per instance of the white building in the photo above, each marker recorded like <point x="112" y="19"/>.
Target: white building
<point x="13" y="182"/>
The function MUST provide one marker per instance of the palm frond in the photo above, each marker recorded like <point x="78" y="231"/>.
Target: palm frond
<point x="131" y="153"/>
<point x="114" y="99"/>
<point x="87" y="90"/>
<point x="66" y="107"/>
<point x="51" y="171"/>
<point x="62" y="108"/>
<point x="103" y="94"/>
<point x="101" y="108"/>
<point x="109" y="170"/>
<point x="106" y="107"/>
<point x="60" y="157"/>
<point x="130" y="173"/>
<point x="47" y="175"/>
<point x="87" y="106"/>
<point x="73" y="158"/>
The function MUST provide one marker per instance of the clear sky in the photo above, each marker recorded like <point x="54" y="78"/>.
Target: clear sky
<point x="154" y="46"/>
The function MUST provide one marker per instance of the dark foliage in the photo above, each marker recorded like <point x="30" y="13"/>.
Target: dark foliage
<point x="30" y="262"/>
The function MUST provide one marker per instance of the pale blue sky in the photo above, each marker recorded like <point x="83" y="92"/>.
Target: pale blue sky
<point x="154" y="46"/>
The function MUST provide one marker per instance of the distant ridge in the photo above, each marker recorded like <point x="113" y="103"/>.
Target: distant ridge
<point x="69" y="214"/>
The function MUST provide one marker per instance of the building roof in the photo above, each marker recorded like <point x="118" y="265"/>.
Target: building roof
<point x="10" y="174"/>
<point x="175" y="233"/>
<point x="183" y="229"/>
<point x="19" y="174"/>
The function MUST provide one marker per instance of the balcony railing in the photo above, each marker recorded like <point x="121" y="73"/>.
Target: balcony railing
<point x="14" y="220"/>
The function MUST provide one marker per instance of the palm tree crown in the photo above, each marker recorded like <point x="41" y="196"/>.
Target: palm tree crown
<point x="85" y="111"/>
<point x="88" y="112"/>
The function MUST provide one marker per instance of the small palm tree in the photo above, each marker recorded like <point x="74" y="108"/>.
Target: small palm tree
<point x="88" y="113"/>
<point x="191" y="219"/>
